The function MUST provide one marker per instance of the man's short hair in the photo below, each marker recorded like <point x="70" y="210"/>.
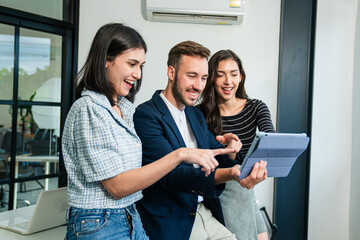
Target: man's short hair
<point x="188" y="48"/>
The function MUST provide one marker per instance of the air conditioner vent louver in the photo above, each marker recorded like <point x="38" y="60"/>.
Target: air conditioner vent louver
<point x="161" y="15"/>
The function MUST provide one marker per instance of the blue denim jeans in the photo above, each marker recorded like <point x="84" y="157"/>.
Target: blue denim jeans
<point x="124" y="223"/>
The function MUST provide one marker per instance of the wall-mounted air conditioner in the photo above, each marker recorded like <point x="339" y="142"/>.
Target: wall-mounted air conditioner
<point x="195" y="11"/>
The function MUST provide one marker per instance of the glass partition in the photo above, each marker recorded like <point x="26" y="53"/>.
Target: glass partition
<point x="52" y="9"/>
<point x="39" y="66"/>
<point x="6" y="61"/>
<point x="38" y="42"/>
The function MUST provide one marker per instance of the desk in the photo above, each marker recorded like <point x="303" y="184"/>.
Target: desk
<point x="53" y="234"/>
<point x="30" y="158"/>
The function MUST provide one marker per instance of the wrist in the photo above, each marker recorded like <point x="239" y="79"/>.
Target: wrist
<point x="231" y="175"/>
<point x="180" y="155"/>
<point x="232" y="155"/>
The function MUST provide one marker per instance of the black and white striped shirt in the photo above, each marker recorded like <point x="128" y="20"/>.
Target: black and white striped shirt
<point x="254" y="114"/>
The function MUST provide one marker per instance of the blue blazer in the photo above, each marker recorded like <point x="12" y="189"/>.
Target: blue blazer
<point x="169" y="206"/>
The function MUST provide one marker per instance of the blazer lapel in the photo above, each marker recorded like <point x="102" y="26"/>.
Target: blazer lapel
<point x="166" y="115"/>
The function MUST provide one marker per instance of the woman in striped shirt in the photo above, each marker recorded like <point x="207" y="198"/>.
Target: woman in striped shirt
<point x="227" y="108"/>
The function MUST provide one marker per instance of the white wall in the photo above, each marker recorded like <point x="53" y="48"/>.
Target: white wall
<point x="256" y="41"/>
<point x="331" y="144"/>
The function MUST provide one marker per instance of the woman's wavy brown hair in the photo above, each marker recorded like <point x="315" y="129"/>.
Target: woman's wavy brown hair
<point x="208" y="103"/>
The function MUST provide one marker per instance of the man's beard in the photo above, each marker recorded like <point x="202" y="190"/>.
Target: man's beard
<point x="177" y="94"/>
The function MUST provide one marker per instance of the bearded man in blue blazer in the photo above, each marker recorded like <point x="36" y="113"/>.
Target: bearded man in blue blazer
<point x="184" y="204"/>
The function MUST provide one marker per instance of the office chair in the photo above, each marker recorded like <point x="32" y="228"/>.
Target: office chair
<point x="271" y="227"/>
<point x="4" y="166"/>
<point x="23" y="171"/>
<point x="43" y="142"/>
<point x="4" y="174"/>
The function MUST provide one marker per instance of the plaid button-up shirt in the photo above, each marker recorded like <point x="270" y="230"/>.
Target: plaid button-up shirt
<point x="98" y="144"/>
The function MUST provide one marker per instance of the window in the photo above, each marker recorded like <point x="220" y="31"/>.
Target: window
<point x="37" y="59"/>
<point x="56" y="9"/>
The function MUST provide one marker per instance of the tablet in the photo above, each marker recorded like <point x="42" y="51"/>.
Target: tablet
<point x="280" y="150"/>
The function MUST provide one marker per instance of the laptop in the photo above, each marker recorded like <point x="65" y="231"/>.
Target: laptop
<point x="48" y="212"/>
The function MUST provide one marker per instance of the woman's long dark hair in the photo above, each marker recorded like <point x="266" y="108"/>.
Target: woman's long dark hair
<point x="208" y="103"/>
<point x="110" y="40"/>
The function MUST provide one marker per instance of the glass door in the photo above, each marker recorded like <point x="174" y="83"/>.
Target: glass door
<point x="36" y="72"/>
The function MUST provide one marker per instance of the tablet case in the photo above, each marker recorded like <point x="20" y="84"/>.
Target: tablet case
<point x="280" y="150"/>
